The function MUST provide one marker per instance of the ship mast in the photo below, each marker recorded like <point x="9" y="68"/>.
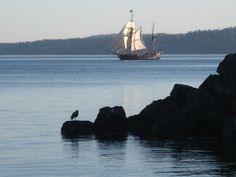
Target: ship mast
<point x="131" y="30"/>
<point x="132" y="15"/>
<point x="153" y="37"/>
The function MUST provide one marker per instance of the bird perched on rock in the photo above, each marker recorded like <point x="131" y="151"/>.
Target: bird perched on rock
<point x="74" y="115"/>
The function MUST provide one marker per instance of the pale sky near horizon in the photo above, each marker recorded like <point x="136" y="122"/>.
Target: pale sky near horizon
<point x="29" y="20"/>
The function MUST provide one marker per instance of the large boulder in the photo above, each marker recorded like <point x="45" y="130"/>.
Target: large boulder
<point x="227" y="67"/>
<point x="189" y="112"/>
<point x="224" y="84"/>
<point x="163" y="117"/>
<point x="75" y="128"/>
<point x="181" y="92"/>
<point x="227" y="71"/>
<point x="142" y="123"/>
<point x="111" y="120"/>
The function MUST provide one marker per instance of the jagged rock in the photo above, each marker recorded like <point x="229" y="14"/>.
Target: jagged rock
<point x="220" y="87"/>
<point x="223" y="86"/>
<point x="162" y="117"/>
<point x="193" y="112"/>
<point x="210" y="85"/>
<point x="143" y="122"/>
<point x="227" y="67"/>
<point x="74" y="128"/>
<point x="111" y="119"/>
<point x="180" y="93"/>
<point x="227" y="71"/>
<point x="186" y="112"/>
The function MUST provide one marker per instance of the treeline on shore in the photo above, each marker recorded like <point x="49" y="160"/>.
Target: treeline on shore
<point x="196" y="42"/>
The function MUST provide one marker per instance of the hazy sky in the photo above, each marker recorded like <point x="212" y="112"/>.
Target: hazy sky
<point x="27" y="20"/>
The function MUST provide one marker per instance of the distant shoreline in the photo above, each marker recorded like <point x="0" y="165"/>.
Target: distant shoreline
<point x="99" y="55"/>
<point x="197" y="42"/>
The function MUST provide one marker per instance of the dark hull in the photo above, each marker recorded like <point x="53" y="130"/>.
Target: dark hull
<point x="153" y="55"/>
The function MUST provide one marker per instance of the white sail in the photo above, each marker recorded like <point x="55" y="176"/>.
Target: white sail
<point x="129" y="44"/>
<point x="119" y="44"/>
<point x="137" y="41"/>
<point x="128" y="34"/>
<point x="129" y="39"/>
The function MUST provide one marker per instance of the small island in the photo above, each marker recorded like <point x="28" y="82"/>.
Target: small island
<point x="207" y="111"/>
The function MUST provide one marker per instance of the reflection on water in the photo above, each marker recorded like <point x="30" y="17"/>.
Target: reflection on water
<point x="191" y="157"/>
<point x="149" y="157"/>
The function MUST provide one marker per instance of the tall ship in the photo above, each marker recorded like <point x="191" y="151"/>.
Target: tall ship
<point x="129" y="44"/>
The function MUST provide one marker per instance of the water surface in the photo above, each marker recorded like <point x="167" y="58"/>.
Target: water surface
<point x="38" y="93"/>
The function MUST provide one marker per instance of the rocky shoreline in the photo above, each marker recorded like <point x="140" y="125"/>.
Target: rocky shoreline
<point x="207" y="111"/>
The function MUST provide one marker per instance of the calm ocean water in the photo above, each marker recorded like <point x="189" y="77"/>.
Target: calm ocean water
<point x="38" y="93"/>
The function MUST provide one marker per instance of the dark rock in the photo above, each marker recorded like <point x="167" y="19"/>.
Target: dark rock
<point x="227" y="67"/>
<point x="229" y="129"/>
<point x="75" y="128"/>
<point x="202" y="115"/>
<point x="111" y="135"/>
<point x="223" y="86"/>
<point x="190" y="111"/>
<point x="143" y="122"/>
<point x="207" y="111"/>
<point x="190" y="116"/>
<point x="164" y="117"/>
<point x="220" y="87"/>
<point x="111" y="119"/>
<point x="233" y="106"/>
<point x="210" y="84"/>
<point x="180" y="93"/>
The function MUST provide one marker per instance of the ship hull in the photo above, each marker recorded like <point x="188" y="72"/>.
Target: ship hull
<point x="152" y="55"/>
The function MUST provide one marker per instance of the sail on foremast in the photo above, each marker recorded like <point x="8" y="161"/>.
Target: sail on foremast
<point x="130" y="39"/>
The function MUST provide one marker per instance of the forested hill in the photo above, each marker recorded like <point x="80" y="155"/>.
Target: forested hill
<point x="197" y="42"/>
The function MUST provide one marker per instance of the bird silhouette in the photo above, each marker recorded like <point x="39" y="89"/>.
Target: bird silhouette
<point x="74" y="115"/>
